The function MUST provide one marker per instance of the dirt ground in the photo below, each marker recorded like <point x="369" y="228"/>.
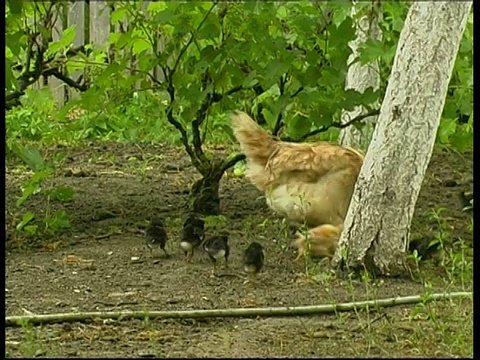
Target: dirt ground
<point x="118" y="188"/>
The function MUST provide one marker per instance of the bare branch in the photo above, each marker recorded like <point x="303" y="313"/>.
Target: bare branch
<point x="34" y="319"/>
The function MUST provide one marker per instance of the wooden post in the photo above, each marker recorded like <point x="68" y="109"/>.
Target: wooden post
<point x="76" y="16"/>
<point x="99" y="23"/>
<point x="57" y="87"/>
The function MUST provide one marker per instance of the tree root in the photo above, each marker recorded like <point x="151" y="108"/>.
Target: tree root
<point x="241" y="312"/>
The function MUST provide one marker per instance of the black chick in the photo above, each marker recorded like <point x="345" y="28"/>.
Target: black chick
<point x="426" y="250"/>
<point x="467" y="200"/>
<point x="217" y="248"/>
<point x="253" y="259"/>
<point x="156" y="234"/>
<point x="192" y="235"/>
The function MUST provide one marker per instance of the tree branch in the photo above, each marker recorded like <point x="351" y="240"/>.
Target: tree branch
<point x="187" y="45"/>
<point x="196" y="154"/>
<point x="35" y="319"/>
<point x="201" y="115"/>
<point x="233" y="161"/>
<point x="70" y="82"/>
<point x="279" y="123"/>
<point x="337" y="125"/>
<point x="184" y="137"/>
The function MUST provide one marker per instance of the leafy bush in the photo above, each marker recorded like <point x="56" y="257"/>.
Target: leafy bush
<point x="285" y="63"/>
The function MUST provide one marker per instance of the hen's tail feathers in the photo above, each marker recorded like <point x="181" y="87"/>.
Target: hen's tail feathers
<point x="256" y="143"/>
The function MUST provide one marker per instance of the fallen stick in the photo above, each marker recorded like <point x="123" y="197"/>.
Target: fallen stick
<point x="240" y="312"/>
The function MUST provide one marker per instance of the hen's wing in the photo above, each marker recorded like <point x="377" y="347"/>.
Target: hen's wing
<point x="309" y="162"/>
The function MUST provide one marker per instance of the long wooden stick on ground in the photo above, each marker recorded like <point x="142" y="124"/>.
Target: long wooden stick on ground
<point x="248" y="312"/>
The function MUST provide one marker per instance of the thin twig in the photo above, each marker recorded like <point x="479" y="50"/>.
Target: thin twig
<point x="20" y="320"/>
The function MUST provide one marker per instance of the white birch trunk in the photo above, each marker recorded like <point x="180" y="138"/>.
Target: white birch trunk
<point x="377" y="226"/>
<point x="360" y="77"/>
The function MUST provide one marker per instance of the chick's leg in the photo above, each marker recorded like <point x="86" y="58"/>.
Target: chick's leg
<point x="214" y="270"/>
<point x="149" y="249"/>
<point x="189" y="256"/>
<point x="251" y="278"/>
<point x="166" y="253"/>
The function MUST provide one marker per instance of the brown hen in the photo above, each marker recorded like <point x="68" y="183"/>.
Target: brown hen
<point x="305" y="183"/>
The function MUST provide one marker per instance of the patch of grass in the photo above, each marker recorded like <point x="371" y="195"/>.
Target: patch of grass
<point x="32" y="344"/>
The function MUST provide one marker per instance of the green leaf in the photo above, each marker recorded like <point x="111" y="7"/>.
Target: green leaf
<point x="300" y="124"/>
<point x="371" y="50"/>
<point x="462" y="139"/>
<point x="31" y="229"/>
<point x="77" y="64"/>
<point x="140" y="45"/>
<point x="164" y="17"/>
<point x="276" y="69"/>
<point x="60" y="220"/>
<point x="250" y="80"/>
<point x="352" y="99"/>
<point x="447" y="127"/>
<point x="341" y="11"/>
<point x="269" y="117"/>
<point x="125" y="39"/>
<point x="342" y="34"/>
<point x="27" y="217"/>
<point x="66" y="40"/>
<point x="10" y="80"/>
<point x="62" y="193"/>
<point x="14" y="42"/>
<point x="28" y="191"/>
<point x="156" y="6"/>
<point x="370" y="96"/>
<point x="118" y="14"/>
<point x="30" y="156"/>
<point x="208" y="31"/>
<point x="15" y="6"/>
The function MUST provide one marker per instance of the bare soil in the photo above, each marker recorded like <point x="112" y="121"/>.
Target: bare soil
<point x="118" y="188"/>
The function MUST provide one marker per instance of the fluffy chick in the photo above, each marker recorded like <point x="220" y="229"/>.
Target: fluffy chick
<point x="323" y="241"/>
<point x="467" y="200"/>
<point x="217" y="248"/>
<point x="192" y="235"/>
<point x="156" y="234"/>
<point x="253" y="259"/>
